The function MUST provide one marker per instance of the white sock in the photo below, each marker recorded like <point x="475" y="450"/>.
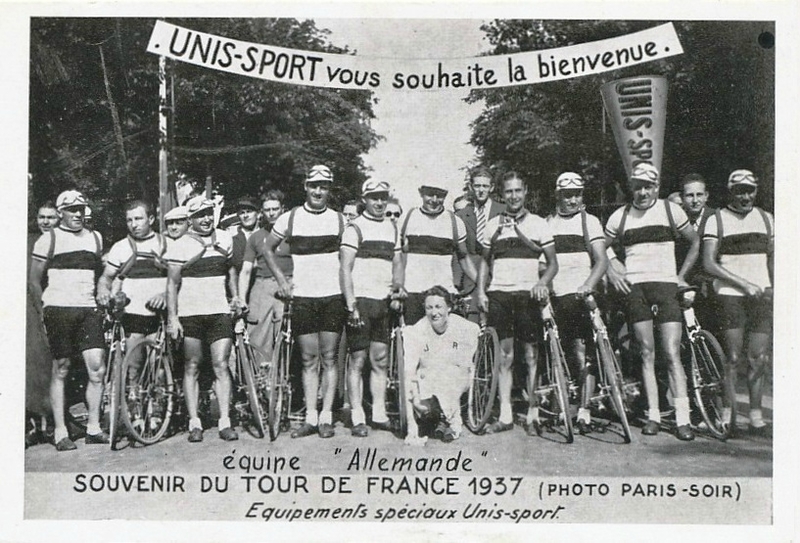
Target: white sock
<point x="312" y="417"/>
<point x="224" y="422"/>
<point x="506" y="416"/>
<point x="530" y="416"/>
<point x="583" y="414"/>
<point x="654" y="415"/>
<point x="326" y="417"/>
<point x="195" y="423"/>
<point x="379" y="413"/>
<point x="757" y="418"/>
<point x="726" y="415"/>
<point x="60" y="433"/>
<point x="682" y="411"/>
<point x="357" y="416"/>
<point x="93" y="429"/>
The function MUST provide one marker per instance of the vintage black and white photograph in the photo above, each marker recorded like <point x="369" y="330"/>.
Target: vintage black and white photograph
<point x="471" y="271"/>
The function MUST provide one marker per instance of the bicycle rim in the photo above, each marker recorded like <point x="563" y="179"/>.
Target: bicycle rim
<point x="561" y="388"/>
<point x="483" y="388"/>
<point x="710" y="392"/>
<point x="114" y="396"/>
<point x="613" y="377"/>
<point x="277" y="385"/>
<point x="149" y="398"/>
<point x="402" y="406"/>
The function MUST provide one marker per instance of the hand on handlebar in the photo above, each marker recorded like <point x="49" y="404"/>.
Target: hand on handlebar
<point x="157" y="302"/>
<point x="483" y="302"/>
<point x="751" y="289"/>
<point x="238" y="307"/>
<point x="540" y="293"/>
<point x="174" y="328"/>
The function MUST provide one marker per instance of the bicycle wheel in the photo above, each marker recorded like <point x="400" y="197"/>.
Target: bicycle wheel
<point x="149" y="392"/>
<point x="708" y="384"/>
<point x="253" y="362"/>
<point x="278" y="383"/>
<point x="396" y="351"/>
<point x="560" y="385"/>
<point x="114" y="394"/>
<point x="483" y="388"/>
<point x="614" y="381"/>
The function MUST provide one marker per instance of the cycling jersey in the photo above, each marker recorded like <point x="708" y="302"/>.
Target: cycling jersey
<point x="145" y="278"/>
<point x="429" y="243"/>
<point x="73" y="260"/>
<point x="205" y="261"/>
<point x="313" y="238"/>
<point x="649" y="241"/>
<point x="376" y="243"/>
<point x="515" y="262"/>
<point x="574" y="262"/>
<point x="746" y="241"/>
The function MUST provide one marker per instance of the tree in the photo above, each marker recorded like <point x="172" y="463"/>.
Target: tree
<point x="720" y="110"/>
<point x="94" y="116"/>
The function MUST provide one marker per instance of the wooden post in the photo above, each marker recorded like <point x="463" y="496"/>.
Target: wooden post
<point x="165" y="201"/>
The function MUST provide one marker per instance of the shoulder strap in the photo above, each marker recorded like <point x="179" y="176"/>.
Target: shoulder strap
<point x="341" y="227"/>
<point x="621" y="229"/>
<point x="671" y="219"/>
<point x="767" y="224"/>
<point x="454" y="226"/>
<point x="358" y="232"/>
<point x="587" y="242"/>
<point x="526" y="240"/>
<point x="98" y="244"/>
<point x="52" y="250"/>
<point x="718" y="215"/>
<point x="290" y="228"/>
<point x="126" y="267"/>
<point x="405" y="226"/>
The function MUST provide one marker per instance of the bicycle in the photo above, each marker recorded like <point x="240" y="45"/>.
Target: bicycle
<point x="280" y="385"/>
<point x="706" y="364"/>
<point x="251" y="372"/>
<point x="550" y="395"/>
<point x="112" y="380"/>
<point x="611" y="384"/>
<point x="150" y="389"/>
<point x="483" y="386"/>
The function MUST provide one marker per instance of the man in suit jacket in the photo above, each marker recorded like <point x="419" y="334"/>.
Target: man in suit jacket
<point x="476" y="214"/>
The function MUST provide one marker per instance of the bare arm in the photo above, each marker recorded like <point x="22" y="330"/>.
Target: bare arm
<point x="398" y="272"/>
<point x="616" y="270"/>
<point x="480" y="284"/>
<point x="347" y="259"/>
<point x="691" y="257"/>
<point x="598" y="269"/>
<point x="244" y="281"/>
<point x="104" y="285"/>
<point x="270" y="244"/>
<point x="466" y="263"/>
<point x="174" y="327"/>
<point x="710" y="264"/>
<point x="35" y="283"/>
<point x="540" y="291"/>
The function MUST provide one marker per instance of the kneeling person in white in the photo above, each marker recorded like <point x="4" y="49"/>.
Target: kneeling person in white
<point x="439" y="352"/>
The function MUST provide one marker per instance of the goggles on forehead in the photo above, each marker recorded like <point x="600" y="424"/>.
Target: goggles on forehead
<point x="740" y="177"/>
<point x="319" y="173"/>
<point x="575" y="182"/>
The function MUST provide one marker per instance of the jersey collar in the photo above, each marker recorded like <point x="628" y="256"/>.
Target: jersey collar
<point x="314" y="211"/>
<point x="371" y="217"/>
<point x="60" y="227"/>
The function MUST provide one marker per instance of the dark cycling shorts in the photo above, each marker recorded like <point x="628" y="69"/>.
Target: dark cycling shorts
<point x="515" y="315"/>
<point x="375" y="314"/>
<point x="313" y="315"/>
<point x="572" y="317"/>
<point x="140" y="324"/>
<point x="72" y="330"/>
<point x="414" y="308"/>
<point x="208" y="328"/>
<point x="653" y="301"/>
<point x="753" y="314"/>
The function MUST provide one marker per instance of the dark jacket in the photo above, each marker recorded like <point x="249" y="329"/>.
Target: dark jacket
<point x="470" y="220"/>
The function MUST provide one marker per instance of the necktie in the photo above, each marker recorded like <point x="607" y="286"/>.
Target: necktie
<point x="480" y="215"/>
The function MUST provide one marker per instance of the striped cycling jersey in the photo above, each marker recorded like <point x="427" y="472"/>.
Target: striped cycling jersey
<point x="515" y="264"/>
<point x="72" y="270"/>
<point x="202" y="290"/>
<point x="743" y="249"/>
<point x="574" y="263"/>
<point x="313" y="239"/>
<point x="145" y="278"/>
<point x="649" y="241"/>
<point x="376" y="242"/>
<point x="428" y="243"/>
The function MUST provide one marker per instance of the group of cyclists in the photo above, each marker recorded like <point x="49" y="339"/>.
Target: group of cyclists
<point x="351" y="273"/>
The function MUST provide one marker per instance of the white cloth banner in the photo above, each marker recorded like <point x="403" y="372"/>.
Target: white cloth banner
<point x="335" y="71"/>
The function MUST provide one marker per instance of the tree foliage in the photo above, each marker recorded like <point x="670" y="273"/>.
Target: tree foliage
<point x="720" y="110"/>
<point x="246" y="135"/>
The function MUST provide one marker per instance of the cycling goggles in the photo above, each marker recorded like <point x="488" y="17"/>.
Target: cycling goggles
<point x="645" y="172"/>
<point x="742" y="178"/>
<point x="569" y="180"/>
<point x="70" y="198"/>
<point x="319" y="173"/>
<point x="370" y="187"/>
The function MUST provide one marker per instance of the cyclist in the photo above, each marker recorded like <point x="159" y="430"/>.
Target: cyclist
<point x="738" y="247"/>
<point x="197" y="306"/>
<point x="647" y="229"/>
<point x="430" y="236"/>
<point x="177" y="222"/>
<point x="370" y="272"/>
<point x="438" y="352"/>
<point x="313" y="232"/>
<point x="515" y="240"/>
<point x="582" y="261"/>
<point x="70" y="256"/>
<point x="259" y="288"/>
<point x="137" y="261"/>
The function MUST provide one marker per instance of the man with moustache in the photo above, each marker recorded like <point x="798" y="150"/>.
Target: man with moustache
<point x="70" y="255"/>
<point x="738" y="250"/>
<point x="313" y="232"/>
<point x="200" y="267"/>
<point x="647" y="229"/>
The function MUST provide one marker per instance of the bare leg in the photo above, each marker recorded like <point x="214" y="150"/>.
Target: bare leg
<point x="377" y="380"/>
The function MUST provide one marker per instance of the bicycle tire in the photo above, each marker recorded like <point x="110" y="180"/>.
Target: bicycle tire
<point x="114" y="395"/>
<point x="483" y="388"/>
<point x="613" y="376"/>
<point x="278" y="381"/>
<point x="249" y="356"/>
<point x="561" y="388"/>
<point x="708" y="384"/>
<point x="150" y="397"/>
<point x="402" y="393"/>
